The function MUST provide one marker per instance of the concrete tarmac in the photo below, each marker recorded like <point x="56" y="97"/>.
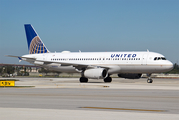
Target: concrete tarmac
<point x="66" y="98"/>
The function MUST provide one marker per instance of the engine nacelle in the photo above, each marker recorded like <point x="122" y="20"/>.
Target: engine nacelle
<point x="97" y="73"/>
<point x="130" y="76"/>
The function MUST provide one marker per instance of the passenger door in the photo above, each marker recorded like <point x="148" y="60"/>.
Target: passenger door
<point x="144" y="59"/>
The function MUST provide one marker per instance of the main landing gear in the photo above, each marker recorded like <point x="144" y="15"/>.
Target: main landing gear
<point x="83" y="80"/>
<point x="149" y="80"/>
<point x="108" y="79"/>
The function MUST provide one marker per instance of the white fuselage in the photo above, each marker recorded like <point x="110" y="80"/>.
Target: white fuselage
<point x="115" y="62"/>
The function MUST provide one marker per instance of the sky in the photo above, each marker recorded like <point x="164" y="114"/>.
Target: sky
<point x="91" y="26"/>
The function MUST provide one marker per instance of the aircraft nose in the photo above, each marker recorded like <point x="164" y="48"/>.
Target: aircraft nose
<point x="169" y="66"/>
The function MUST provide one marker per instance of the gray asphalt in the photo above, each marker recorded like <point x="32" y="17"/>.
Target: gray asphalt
<point x="160" y="99"/>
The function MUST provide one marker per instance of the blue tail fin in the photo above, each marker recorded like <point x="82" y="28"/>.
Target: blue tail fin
<point x="35" y="44"/>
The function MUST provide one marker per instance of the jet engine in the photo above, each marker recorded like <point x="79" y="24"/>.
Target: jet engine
<point x="97" y="73"/>
<point x="130" y="76"/>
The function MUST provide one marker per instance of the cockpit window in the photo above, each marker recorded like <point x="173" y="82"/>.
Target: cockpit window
<point x="159" y="58"/>
<point x="163" y="58"/>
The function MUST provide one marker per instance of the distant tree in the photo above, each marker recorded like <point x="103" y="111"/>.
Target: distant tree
<point x="175" y="69"/>
<point x="18" y="70"/>
<point x="30" y="69"/>
<point x="1" y="70"/>
<point x="44" y="70"/>
<point x="25" y="69"/>
<point x="9" y="70"/>
<point x="176" y="66"/>
<point x="57" y="72"/>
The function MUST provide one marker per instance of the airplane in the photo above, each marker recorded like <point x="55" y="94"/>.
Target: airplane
<point x="94" y="65"/>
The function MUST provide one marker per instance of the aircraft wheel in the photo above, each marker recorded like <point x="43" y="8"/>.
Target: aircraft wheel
<point x="149" y="81"/>
<point x="83" y="80"/>
<point x="108" y="79"/>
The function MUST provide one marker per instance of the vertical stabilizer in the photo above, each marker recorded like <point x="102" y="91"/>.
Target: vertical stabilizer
<point x="35" y="44"/>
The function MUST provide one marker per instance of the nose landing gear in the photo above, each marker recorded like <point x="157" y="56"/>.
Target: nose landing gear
<point x="149" y="80"/>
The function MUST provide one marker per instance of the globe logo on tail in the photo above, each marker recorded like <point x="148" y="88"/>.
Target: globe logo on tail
<point x="36" y="46"/>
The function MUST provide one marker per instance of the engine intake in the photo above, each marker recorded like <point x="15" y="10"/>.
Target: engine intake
<point x="97" y="73"/>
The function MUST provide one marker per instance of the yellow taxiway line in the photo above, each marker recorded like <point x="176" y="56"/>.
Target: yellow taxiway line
<point x="124" y="109"/>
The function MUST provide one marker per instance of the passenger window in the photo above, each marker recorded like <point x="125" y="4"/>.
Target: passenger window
<point x="155" y="58"/>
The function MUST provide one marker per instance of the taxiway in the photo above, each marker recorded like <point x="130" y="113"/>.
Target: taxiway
<point x="66" y="98"/>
